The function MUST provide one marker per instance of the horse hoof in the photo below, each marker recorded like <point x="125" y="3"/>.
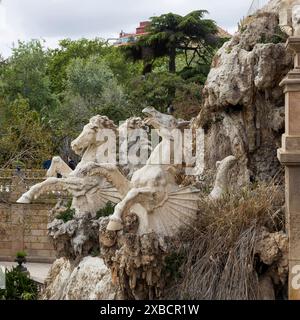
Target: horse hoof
<point x="114" y="225"/>
<point x="23" y="200"/>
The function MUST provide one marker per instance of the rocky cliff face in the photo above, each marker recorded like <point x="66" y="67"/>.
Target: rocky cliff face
<point x="243" y="111"/>
<point x="76" y="275"/>
<point x="89" y="280"/>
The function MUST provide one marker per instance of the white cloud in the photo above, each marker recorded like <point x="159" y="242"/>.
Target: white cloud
<point x="57" y="19"/>
<point x="2" y="17"/>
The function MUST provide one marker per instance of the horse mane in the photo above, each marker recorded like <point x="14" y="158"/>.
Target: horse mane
<point x="103" y="122"/>
<point x="135" y="123"/>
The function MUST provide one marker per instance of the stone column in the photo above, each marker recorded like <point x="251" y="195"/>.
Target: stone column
<point x="289" y="156"/>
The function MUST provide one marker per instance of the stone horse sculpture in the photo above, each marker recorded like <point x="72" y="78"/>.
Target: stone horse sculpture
<point x="161" y="205"/>
<point x="133" y="138"/>
<point x="152" y="193"/>
<point x="89" y="193"/>
<point x="126" y="131"/>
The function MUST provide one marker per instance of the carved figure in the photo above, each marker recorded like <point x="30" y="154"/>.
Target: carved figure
<point x="89" y="193"/>
<point x="289" y="17"/>
<point x="161" y="205"/>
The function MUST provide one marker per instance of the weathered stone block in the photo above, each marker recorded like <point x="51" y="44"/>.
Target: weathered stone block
<point x="41" y="253"/>
<point x="36" y="219"/>
<point x="32" y="232"/>
<point x="5" y="245"/>
<point x="293" y="113"/>
<point x="17" y="218"/>
<point x="36" y="239"/>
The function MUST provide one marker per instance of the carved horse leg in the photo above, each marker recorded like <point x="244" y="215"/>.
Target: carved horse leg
<point x="48" y="185"/>
<point x="134" y="196"/>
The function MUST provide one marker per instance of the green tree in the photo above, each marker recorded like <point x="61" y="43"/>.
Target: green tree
<point x="160" y="89"/>
<point x="87" y="78"/>
<point x="94" y="82"/>
<point x="23" y="136"/>
<point x="67" y="51"/>
<point x="91" y="88"/>
<point x="122" y="69"/>
<point x="24" y="73"/>
<point x="170" y="33"/>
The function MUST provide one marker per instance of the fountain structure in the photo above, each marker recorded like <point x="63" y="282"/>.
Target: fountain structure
<point x="289" y="154"/>
<point x="151" y="204"/>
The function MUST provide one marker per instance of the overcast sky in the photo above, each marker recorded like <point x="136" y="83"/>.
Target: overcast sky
<point x="57" y="19"/>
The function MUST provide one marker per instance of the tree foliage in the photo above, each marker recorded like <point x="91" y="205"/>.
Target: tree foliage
<point x="47" y="95"/>
<point x="93" y="84"/>
<point x="171" y="33"/>
<point x="19" y="286"/>
<point x="157" y="90"/>
<point x="91" y="88"/>
<point x="67" y="51"/>
<point x="24" y="138"/>
<point x="25" y="74"/>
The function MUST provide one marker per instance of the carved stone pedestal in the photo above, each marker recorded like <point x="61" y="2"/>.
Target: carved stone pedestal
<point x="289" y="156"/>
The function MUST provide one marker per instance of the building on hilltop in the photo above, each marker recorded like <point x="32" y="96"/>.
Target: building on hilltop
<point x="129" y="38"/>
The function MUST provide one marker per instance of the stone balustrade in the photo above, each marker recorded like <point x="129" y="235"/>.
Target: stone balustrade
<point x="13" y="184"/>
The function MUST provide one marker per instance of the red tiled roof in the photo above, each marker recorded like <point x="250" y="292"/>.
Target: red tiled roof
<point x="140" y="31"/>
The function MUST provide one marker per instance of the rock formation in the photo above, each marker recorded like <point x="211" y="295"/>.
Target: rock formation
<point x="78" y="273"/>
<point x="243" y="110"/>
<point x="137" y="262"/>
<point x="243" y="115"/>
<point x="289" y="17"/>
<point x="75" y="238"/>
<point x="89" y="280"/>
<point x="272" y="251"/>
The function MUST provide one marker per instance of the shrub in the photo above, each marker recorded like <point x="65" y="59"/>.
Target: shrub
<point x="108" y="210"/>
<point x="277" y="37"/>
<point x="68" y="214"/>
<point x="95" y="252"/>
<point x="21" y="254"/>
<point x="25" y="138"/>
<point x="173" y="262"/>
<point x="19" y="287"/>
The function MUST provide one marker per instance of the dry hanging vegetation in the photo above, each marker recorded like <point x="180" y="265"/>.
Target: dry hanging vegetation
<point x="220" y="251"/>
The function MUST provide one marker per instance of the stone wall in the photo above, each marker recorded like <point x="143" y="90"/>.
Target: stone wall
<point x="23" y="227"/>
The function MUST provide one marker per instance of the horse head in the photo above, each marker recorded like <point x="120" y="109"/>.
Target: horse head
<point x="90" y="134"/>
<point x="163" y="123"/>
